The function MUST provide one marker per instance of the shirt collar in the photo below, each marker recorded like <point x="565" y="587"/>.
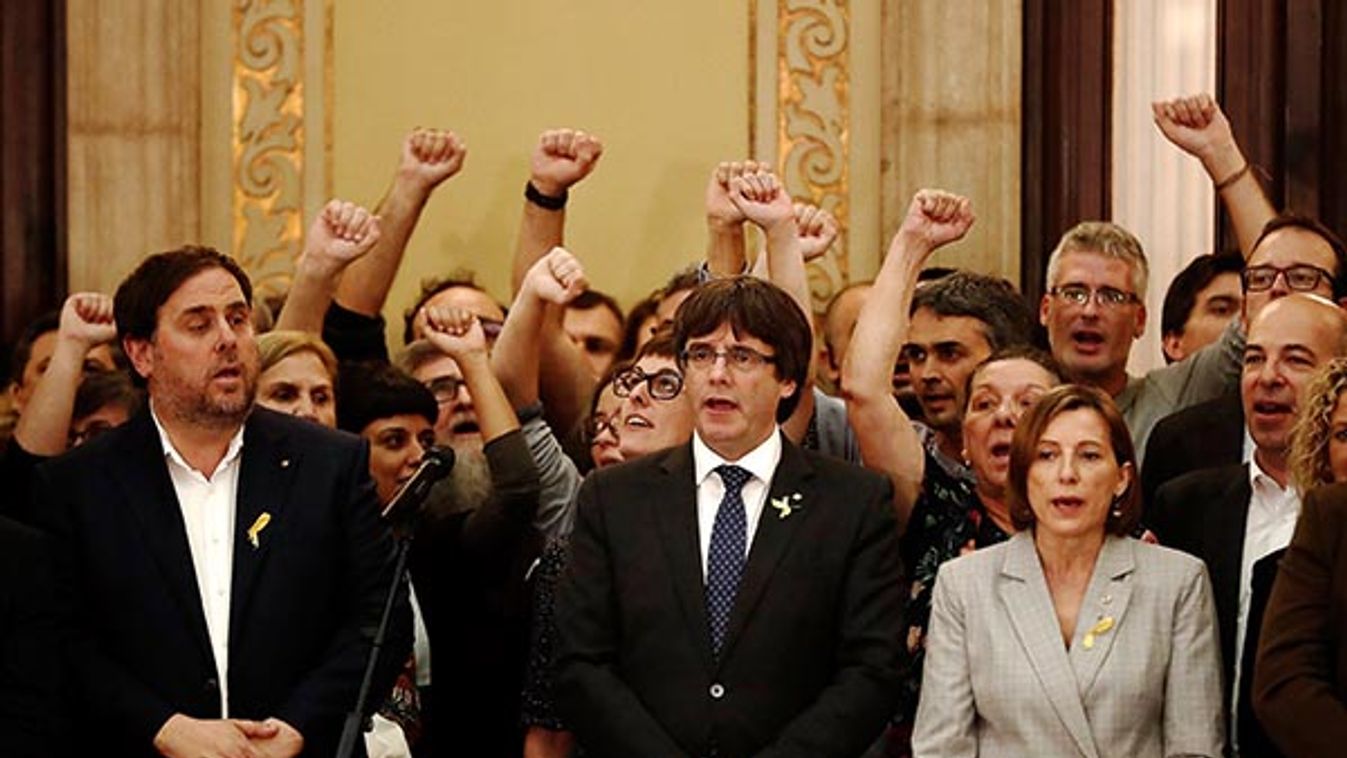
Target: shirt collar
<point x="760" y="461"/>
<point x="171" y="452"/>
<point x="1258" y="478"/>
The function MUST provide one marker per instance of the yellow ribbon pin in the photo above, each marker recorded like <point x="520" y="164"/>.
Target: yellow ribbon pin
<point x="257" y="527"/>
<point x="1105" y="624"/>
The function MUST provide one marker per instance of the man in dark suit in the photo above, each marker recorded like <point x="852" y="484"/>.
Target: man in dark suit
<point x="227" y="563"/>
<point x="737" y="595"/>
<point x="1239" y="518"/>
<point x="1206" y="435"/>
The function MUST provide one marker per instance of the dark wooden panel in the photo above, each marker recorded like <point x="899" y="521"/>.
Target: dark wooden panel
<point x="1332" y="159"/>
<point x="1067" y="91"/>
<point x="32" y="255"/>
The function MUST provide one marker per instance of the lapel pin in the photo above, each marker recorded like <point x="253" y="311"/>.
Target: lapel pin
<point x="1101" y="628"/>
<point x="285" y="463"/>
<point x="786" y="505"/>
<point x="257" y="527"/>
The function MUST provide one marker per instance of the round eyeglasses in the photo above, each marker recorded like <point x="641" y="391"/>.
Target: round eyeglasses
<point x="664" y="384"/>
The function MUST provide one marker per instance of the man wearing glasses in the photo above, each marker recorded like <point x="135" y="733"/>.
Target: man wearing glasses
<point x="1094" y="308"/>
<point x="735" y="595"/>
<point x="1291" y="254"/>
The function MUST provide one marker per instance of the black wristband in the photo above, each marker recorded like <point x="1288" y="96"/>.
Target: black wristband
<point x="533" y="195"/>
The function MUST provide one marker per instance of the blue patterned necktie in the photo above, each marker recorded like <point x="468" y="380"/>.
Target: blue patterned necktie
<point x="725" y="558"/>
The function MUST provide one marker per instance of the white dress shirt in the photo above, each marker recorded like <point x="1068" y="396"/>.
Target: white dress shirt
<point x="1273" y="511"/>
<point x="760" y="462"/>
<point x="208" y="503"/>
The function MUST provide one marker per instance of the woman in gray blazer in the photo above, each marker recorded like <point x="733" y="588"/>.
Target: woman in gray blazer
<point x="1072" y="639"/>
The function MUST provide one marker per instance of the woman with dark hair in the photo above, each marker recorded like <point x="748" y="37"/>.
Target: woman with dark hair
<point x="1072" y="638"/>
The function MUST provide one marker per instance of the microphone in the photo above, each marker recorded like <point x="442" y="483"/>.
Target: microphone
<point x="435" y="465"/>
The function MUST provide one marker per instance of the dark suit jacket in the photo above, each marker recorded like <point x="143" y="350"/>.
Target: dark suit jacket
<point x="1205" y="435"/>
<point x="810" y="664"/>
<point x="33" y="713"/>
<point x="304" y="603"/>
<point x="1204" y="513"/>
<point x="469" y="569"/>
<point x="1300" y="683"/>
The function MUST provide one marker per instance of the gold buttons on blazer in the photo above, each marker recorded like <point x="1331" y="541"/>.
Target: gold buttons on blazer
<point x="717" y="691"/>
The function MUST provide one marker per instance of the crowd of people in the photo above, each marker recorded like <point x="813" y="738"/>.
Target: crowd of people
<point x="934" y="519"/>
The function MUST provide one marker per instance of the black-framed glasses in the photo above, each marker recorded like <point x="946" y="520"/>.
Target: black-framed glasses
<point x="596" y="424"/>
<point x="445" y="388"/>
<point x="1105" y="297"/>
<point x="1302" y="277"/>
<point x="737" y="357"/>
<point x="664" y="384"/>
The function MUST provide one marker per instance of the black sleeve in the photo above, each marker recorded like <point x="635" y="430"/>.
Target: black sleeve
<point x="17" y="471"/>
<point x="354" y="337"/>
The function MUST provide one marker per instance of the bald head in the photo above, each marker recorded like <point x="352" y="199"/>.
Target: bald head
<point x="1289" y="339"/>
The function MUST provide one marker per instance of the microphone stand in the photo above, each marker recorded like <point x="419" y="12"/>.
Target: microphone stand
<point x="436" y="465"/>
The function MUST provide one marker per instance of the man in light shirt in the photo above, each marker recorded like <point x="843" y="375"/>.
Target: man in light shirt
<point x="227" y="563"/>
<point x="1239" y="518"/>
<point x="735" y="595"/>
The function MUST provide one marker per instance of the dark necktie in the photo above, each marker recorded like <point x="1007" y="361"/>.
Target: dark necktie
<point x="725" y="558"/>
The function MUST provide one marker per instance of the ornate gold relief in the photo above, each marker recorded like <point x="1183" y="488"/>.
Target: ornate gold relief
<point x="268" y="139"/>
<point x="813" y="120"/>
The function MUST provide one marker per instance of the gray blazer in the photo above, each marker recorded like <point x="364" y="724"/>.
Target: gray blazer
<point x="999" y="682"/>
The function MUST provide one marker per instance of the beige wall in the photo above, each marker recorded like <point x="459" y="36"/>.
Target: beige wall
<point x="133" y="135"/>
<point x="663" y="84"/>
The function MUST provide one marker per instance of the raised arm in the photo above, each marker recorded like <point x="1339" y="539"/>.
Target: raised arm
<point x="889" y="444"/>
<point x="429" y="156"/>
<point x="1197" y="126"/>
<point x="765" y="203"/>
<point x="725" y="253"/>
<point x="340" y="234"/>
<point x="44" y="426"/>
<point x="555" y="279"/>
<point x="816" y="229"/>
<point x="458" y="334"/>
<point x="562" y="158"/>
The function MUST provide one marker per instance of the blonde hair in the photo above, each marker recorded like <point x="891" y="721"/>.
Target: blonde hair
<point x="275" y="346"/>
<point x="1106" y="239"/>
<point x="1314" y="423"/>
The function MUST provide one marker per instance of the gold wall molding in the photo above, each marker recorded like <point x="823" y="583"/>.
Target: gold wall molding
<point x="818" y="92"/>
<point x="813" y="80"/>
<point x="268" y="139"/>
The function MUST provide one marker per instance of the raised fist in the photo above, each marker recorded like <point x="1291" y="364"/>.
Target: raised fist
<point x="342" y="232"/>
<point x="816" y="228"/>
<point x="562" y="158"/>
<point x="87" y="319"/>
<point x="557" y="277"/>
<point x="429" y="156"/>
<point x="937" y="218"/>
<point x="719" y="206"/>
<point x="761" y="199"/>
<point x="455" y="332"/>
<point x="1195" y="124"/>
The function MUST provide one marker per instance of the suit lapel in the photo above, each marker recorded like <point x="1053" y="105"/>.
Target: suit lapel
<point x="1106" y="598"/>
<point x="772" y="536"/>
<point x="265" y="475"/>
<point x="1224" y="521"/>
<point x="1024" y="592"/>
<point x="676" y="516"/>
<point x="143" y="476"/>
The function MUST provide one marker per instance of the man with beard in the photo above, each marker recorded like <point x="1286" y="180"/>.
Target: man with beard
<point x="474" y="546"/>
<point x="227" y="565"/>
<point x="1239" y="518"/>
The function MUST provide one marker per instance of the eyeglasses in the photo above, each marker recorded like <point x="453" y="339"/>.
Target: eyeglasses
<point x="738" y="357"/>
<point x="445" y="388"/>
<point x="596" y="424"/>
<point x="664" y="384"/>
<point x="1105" y="297"/>
<point x="1301" y="278"/>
